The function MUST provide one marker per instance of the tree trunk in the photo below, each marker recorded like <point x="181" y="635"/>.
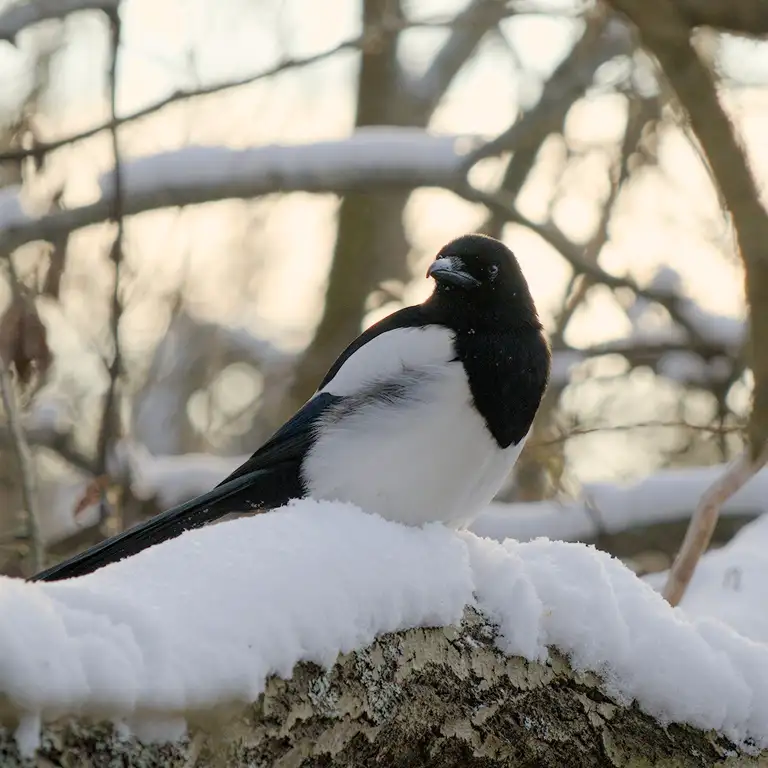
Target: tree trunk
<point x="427" y="697"/>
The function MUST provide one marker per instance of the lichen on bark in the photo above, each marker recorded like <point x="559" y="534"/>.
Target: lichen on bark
<point x="432" y="698"/>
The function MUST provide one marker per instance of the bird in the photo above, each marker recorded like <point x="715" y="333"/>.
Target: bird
<point x="420" y="419"/>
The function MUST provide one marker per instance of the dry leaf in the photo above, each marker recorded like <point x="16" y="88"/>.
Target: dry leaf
<point x="93" y="493"/>
<point x="23" y="339"/>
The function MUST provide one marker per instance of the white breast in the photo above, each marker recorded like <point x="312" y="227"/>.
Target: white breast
<point x="428" y="458"/>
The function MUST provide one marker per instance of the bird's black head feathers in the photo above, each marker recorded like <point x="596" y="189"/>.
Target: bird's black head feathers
<point x="477" y="276"/>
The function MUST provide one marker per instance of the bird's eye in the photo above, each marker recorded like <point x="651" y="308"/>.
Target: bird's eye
<point x="493" y="270"/>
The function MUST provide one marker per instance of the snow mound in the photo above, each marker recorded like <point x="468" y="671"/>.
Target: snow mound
<point x="729" y="583"/>
<point x="206" y="618"/>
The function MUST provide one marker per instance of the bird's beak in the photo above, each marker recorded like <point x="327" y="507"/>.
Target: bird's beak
<point x="447" y="272"/>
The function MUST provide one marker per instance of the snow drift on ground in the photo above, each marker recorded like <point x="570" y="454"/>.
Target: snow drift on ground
<point x="205" y="618"/>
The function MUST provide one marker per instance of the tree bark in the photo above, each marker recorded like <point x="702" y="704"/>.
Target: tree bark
<point x="426" y="697"/>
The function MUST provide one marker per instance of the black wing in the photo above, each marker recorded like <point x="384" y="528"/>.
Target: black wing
<point x="270" y="478"/>
<point x="289" y="444"/>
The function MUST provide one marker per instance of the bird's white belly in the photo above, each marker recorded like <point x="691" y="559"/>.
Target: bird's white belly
<point x="430" y="459"/>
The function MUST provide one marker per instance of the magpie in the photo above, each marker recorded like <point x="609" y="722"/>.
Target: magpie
<point x="420" y="419"/>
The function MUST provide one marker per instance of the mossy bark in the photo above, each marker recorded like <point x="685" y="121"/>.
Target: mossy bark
<point x="423" y="698"/>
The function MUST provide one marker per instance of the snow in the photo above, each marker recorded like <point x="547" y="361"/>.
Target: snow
<point x="204" y="619"/>
<point x="588" y="605"/>
<point x="729" y="583"/>
<point x="667" y="495"/>
<point x="381" y="152"/>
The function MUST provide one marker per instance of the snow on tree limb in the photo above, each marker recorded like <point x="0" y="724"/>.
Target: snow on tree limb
<point x="290" y="636"/>
<point x="21" y="15"/>
<point x="424" y="697"/>
<point x="667" y="495"/>
<point x="374" y="158"/>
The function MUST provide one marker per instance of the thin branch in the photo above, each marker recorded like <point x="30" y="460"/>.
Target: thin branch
<point x="19" y="16"/>
<point x="109" y="415"/>
<point x="715" y="429"/>
<point x="501" y="206"/>
<point x="470" y="27"/>
<point x="355" y="43"/>
<point x="43" y="148"/>
<point x="26" y="468"/>
<point x="603" y="39"/>
<point x="702" y="525"/>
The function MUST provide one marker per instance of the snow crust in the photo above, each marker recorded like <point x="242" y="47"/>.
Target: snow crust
<point x="206" y="618"/>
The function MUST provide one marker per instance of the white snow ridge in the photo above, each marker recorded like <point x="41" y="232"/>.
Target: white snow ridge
<point x="206" y="618"/>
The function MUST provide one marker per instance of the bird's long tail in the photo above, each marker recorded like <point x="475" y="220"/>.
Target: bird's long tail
<point x="167" y="525"/>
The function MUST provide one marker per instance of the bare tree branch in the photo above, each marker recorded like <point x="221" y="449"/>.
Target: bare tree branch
<point x="42" y="148"/>
<point x="748" y="17"/>
<point x="19" y="16"/>
<point x="704" y="520"/>
<point x="470" y="27"/>
<point x="666" y="34"/>
<point x="603" y="39"/>
<point x="110" y="414"/>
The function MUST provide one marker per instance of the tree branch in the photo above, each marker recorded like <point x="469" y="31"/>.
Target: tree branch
<point x="110" y="415"/>
<point x="704" y="520"/>
<point x="604" y="38"/>
<point x="666" y="33"/>
<point x="43" y="148"/>
<point x="471" y="25"/>
<point x="748" y="17"/>
<point x="376" y="158"/>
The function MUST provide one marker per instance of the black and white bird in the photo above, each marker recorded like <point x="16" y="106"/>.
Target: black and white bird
<point x="420" y="419"/>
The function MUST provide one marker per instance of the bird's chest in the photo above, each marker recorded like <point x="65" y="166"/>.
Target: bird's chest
<point x="431" y="458"/>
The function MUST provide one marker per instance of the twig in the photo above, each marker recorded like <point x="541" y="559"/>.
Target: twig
<point x="582" y="431"/>
<point x="26" y="469"/>
<point x="704" y="520"/>
<point x="360" y="41"/>
<point x="116" y="255"/>
<point x="501" y="206"/>
<point x="603" y="39"/>
<point x="42" y="148"/>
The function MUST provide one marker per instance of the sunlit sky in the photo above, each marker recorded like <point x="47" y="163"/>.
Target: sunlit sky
<point x="669" y="216"/>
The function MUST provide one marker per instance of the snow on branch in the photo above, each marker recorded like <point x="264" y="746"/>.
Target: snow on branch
<point x="668" y="495"/>
<point x="376" y="158"/>
<point x="189" y="633"/>
<point x="19" y="16"/>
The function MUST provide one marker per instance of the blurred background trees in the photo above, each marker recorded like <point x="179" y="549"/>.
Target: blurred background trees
<point x="202" y="203"/>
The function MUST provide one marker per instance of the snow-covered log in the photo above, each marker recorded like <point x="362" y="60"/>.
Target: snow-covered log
<point x="423" y="697"/>
<point x="319" y="635"/>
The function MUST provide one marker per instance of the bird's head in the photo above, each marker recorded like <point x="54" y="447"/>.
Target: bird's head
<point x="479" y="275"/>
